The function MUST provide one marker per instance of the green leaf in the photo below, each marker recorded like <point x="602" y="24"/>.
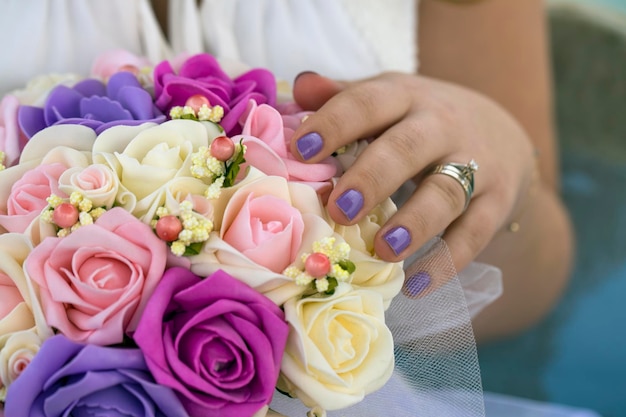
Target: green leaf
<point x="347" y="265"/>
<point x="332" y="284"/>
<point x="232" y="168"/>
<point x="193" y="249"/>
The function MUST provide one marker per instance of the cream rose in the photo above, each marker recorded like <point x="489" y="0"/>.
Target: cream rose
<point x="22" y="324"/>
<point x="339" y="348"/>
<point x="37" y="89"/>
<point x="16" y="353"/>
<point x="371" y="272"/>
<point x="96" y="182"/>
<point x="170" y="195"/>
<point x="21" y="200"/>
<point x="146" y="157"/>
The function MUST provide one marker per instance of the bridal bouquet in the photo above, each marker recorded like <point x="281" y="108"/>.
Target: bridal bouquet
<point x="162" y="253"/>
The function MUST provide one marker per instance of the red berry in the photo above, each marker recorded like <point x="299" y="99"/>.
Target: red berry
<point x="222" y="148"/>
<point x="65" y="215"/>
<point x="168" y="228"/>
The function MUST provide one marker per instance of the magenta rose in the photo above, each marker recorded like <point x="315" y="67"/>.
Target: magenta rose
<point x="94" y="283"/>
<point x="216" y="342"/>
<point x="28" y="196"/>
<point x="202" y="75"/>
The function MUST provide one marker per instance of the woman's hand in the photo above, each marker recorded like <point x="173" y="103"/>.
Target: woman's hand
<point x="417" y="123"/>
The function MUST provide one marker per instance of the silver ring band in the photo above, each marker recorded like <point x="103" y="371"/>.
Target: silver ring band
<point x="463" y="174"/>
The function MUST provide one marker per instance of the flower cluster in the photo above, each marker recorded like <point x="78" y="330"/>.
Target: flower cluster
<point x="163" y="253"/>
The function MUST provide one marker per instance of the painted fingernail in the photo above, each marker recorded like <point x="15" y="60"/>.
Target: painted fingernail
<point x="303" y="73"/>
<point x="398" y="239"/>
<point x="350" y="203"/>
<point x="309" y="145"/>
<point x="417" y="283"/>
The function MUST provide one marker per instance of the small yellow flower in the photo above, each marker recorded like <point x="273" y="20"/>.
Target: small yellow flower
<point x="178" y="248"/>
<point x="54" y="201"/>
<point x="321" y="284"/>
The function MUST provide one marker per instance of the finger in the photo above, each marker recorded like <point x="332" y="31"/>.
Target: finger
<point x="473" y="231"/>
<point x="311" y="90"/>
<point x="435" y="204"/>
<point x="359" y="111"/>
<point x="386" y="163"/>
<point x="461" y="243"/>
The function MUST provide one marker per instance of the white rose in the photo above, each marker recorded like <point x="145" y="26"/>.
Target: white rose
<point x="170" y="195"/>
<point x="96" y="182"/>
<point x="146" y="157"/>
<point x="371" y="272"/>
<point x="36" y="91"/>
<point x="350" y="153"/>
<point x="16" y="353"/>
<point x="20" y="311"/>
<point x="339" y="348"/>
<point x="69" y="145"/>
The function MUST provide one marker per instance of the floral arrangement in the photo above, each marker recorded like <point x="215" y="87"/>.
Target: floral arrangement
<point x="162" y="253"/>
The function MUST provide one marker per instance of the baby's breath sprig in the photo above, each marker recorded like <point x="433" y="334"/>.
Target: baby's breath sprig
<point x="184" y="233"/>
<point x="68" y="214"/>
<point x="325" y="267"/>
<point x="198" y="108"/>
<point x="218" y="163"/>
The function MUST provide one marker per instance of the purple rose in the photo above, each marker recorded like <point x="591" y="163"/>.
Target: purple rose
<point x="216" y="342"/>
<point x="70" y="379"/>
<point x="202" y="75"/>
<point x="121" y="101"/>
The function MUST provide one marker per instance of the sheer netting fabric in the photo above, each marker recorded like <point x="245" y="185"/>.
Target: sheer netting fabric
<point x="436" y="363"/>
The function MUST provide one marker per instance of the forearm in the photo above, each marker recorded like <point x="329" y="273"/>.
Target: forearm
<point x="536" y="262"/>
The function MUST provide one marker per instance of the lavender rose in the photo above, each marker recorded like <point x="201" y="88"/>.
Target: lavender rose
<point x="202" y="75"/>
<point x="121" y="101"/>
<point x="216" y="342"/>
<point x="70" y="379"/>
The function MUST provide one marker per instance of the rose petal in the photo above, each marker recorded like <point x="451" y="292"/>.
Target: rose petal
<point x="90" y="87"/>
<point x="31" y="120"/>
<point x="63" y="102"/>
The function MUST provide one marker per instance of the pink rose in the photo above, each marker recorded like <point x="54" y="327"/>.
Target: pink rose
<point x="12" y="139"/>
<point x="28" y="196"/>
<point x="262" y="225"/>
<point x="95" y="283"/>
<point x="266" y="229"/>
<point x="110" y="62"/>
<point x="267" y="135"/>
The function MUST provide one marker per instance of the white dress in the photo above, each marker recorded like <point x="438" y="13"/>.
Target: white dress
<point x="61" y="36"/>
<point x="344" y="39"/>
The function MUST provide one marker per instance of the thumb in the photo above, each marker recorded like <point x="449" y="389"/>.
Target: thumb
<point x="311" y="90"/>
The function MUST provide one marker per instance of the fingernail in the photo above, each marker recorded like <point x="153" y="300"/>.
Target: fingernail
<point x="398" y="239"/>
<point x="303" y="73"/>
<point x="309" y="145"/>
<point x="350" y="203"/>
<point x="417" y="283"/>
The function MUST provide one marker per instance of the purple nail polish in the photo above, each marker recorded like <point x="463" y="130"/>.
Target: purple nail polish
<point x="350" y="203"/>
<point x="398" y="239"/>
<point x="309" y="145"/>
<point x="417" y="283"/>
